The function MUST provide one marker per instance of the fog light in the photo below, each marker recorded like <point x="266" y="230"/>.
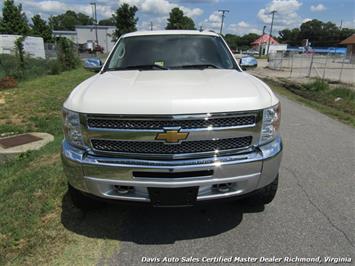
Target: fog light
<point x="223" y="188"/>
<point x="123" y="189"/>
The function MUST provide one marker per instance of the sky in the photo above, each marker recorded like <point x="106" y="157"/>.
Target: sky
<point x="245" y="16"/>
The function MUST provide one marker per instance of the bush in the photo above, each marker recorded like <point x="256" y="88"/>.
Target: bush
<point x="10" y="66"/>
<point x="54" y="67"/>
<point x="22" y="67"/>
<point x="67" y="54"/>
<point x="317" y="85"/>
<point x="344" y="93"/>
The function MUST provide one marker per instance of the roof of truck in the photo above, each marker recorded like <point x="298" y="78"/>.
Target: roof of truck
<point x="171" y="32"/>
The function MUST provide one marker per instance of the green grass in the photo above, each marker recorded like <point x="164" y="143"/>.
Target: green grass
<point x="317" y="85"/>
<point x="343" y="93"/>
<point x="321" y="97"/>
<point x="32" y="186"/>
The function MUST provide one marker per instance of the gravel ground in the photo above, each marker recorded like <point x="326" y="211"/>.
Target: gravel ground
<point x="300" y="75"/>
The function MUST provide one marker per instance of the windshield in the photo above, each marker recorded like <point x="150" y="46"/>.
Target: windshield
<point x="162" y="52"/>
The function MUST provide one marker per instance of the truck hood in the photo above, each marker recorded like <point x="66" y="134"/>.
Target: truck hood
<point x="170" y="92"/>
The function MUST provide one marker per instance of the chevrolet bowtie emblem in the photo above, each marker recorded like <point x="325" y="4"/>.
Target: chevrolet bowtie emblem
<point x="172" y="136"/>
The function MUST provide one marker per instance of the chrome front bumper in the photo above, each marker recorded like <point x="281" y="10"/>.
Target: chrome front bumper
<point x="100" y="176"/>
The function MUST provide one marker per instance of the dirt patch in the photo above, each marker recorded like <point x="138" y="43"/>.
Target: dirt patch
<point x="8" y="83"/>
<point x="49" y="217"/>
<point x="15" y="120"/>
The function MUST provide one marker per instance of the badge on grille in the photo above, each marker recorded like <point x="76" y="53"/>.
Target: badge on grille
<point x="172" y="136"/>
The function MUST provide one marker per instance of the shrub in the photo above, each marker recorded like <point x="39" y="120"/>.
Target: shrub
<point x="30" y="68"/>
<point x="10" y="66"/>
<point x="344" y="93"/>
<point x="67" y="55"/>
<point x="317" y="85"/>
<point x="54" y="67"/>
<point x="20" y="51"/>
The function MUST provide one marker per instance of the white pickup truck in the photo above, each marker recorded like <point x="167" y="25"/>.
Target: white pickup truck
<point x="171" y="119"/>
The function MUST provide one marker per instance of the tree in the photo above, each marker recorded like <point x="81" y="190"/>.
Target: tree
<point x="41" y="29"/>
<point x="177" y="21"/>
<point x="125" y="20"/>
<point x="321" y="34"/>
<point x="66" y="54"/>
<point x="290" y="37"/>
<point x="107" y="22"/>
<point x="240" y="42"/>
<point x="68" y="20"/>
<point x="311" y="30"/>
<point x="14" y="20"/>
<point x="233" y="41"/>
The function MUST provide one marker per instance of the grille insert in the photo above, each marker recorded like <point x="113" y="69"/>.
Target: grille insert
<point x="156" y="147"/>
<point x="159" y="124"/>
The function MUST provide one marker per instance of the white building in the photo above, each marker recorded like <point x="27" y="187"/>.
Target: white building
<point x="277" y="48"/>
<point x="69" y="34"/>
<point x="87" y="33"/>
<point x="33" y="46"/>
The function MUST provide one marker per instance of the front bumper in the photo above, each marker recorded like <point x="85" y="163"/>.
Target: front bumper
<point x="101" y="176"/>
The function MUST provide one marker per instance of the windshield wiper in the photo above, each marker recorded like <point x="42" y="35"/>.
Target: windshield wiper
<point x="139" y="67"/>
<point x="202" y="66"/>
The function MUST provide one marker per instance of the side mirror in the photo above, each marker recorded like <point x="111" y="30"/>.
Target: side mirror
<point x="93" y="64"/>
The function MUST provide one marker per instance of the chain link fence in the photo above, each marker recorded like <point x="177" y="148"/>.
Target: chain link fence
<point x="330" y="67"/>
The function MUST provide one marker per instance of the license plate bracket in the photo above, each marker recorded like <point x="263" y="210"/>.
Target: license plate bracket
<point x="170" y="197"/>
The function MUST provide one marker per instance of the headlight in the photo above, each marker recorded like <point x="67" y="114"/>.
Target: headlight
<point x="72" y="131"/>
<point x="271" y="123"/>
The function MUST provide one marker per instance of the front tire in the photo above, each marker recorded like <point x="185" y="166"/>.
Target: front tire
<point x="266" y="194"/>
<point x="81" y="201"/>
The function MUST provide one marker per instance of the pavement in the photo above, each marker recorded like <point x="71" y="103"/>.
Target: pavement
<point x="312" y="215"/>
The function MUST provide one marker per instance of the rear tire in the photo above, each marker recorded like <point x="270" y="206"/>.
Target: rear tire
<point x="266" y="194"/>
<point x="83" y="202"/>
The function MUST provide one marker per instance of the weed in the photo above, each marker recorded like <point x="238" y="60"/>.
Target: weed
<point x="317" y="85"/>
<point x="344" y="93"/>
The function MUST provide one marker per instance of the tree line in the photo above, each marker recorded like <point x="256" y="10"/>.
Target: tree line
<point x="14" y="21"/>
<point x="320" y="34"/>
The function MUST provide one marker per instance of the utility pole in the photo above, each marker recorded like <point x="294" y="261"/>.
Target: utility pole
<point x="151" y="25"/>
<point x="95" y="17"/>
<point x="272" y="23"/>
<point x="261" y="44"/>
<point x="223" y="11"/>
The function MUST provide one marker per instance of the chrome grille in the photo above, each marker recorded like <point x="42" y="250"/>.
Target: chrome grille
<point x="103" y="123"/>
<point x="156" y="147"/>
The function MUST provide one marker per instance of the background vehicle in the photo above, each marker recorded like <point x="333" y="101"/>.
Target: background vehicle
<point x="248" y="61"/>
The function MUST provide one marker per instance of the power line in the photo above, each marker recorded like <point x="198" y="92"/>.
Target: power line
<point x="272" y="23"/>
<point x="223" y="15"/>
